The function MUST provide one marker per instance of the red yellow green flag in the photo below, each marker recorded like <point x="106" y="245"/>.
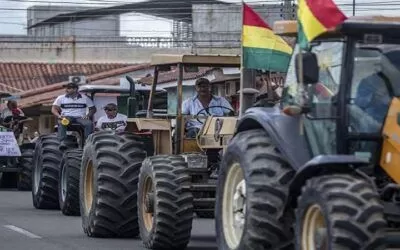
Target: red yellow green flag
<point x="261" y="48"/>
<point x="316" y="17"/>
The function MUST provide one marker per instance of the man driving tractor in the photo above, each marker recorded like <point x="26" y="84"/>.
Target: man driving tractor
<point x="72" y="106"/>
<point x="204" y="103"/>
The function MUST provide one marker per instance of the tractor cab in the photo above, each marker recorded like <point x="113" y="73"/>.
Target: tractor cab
<point x="349" y="83"/>
<point x="325" y="164"/>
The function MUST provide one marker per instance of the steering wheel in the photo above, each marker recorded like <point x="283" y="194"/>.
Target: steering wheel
<point x="206" y="109"/>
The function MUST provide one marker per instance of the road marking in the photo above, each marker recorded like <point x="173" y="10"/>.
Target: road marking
<point x="23" y="231"/>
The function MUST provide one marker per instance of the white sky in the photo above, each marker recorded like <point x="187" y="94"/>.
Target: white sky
<point x="14" y="21"/>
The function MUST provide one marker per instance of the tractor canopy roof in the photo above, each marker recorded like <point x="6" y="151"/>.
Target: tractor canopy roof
<point x="196" y="60"/>
<point x="358" y="25"/>
<point x="87" y="88"/>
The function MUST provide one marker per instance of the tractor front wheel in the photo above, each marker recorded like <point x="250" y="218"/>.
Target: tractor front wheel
<point x="165" y="204"/>
<point x="68" y="186"/>
<point x="338" y="212"/>
<point x="252" y="188"/>
<point x="108" y="184"/>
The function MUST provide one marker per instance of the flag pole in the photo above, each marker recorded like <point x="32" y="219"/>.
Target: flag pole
<point x="241" y="66"/>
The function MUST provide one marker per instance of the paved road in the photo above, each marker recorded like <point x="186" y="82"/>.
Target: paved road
<point x="26" y="228"/>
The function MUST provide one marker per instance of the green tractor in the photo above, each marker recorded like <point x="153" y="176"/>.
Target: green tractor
<point x="15" y="156"/>
<point x="56" y="172"/>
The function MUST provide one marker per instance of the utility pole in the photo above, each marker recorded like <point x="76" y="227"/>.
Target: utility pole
<point x="354" y="7"/>
<point x="288" y="11"/>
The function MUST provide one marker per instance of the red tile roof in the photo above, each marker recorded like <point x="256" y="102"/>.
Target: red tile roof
<point x="47" y="94"/>
<point x="173" y="75"/>
<point x="16" y="77"/>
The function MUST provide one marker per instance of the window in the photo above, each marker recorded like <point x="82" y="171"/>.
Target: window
<point x="370" y="96"/>
<point x="321" y="133"/>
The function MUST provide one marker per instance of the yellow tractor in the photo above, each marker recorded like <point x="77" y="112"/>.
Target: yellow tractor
<point x="320" y="170"/>
<point x="128" y="188"/>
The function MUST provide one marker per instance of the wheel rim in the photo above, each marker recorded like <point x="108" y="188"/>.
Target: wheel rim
<point x="64" y="183"/>
<point x="314" y="233"/>
<point x="234" y="206"/>
<point x="88" y="187"/>
<point x="36" y="177"/>
<point x="147" y="191"/>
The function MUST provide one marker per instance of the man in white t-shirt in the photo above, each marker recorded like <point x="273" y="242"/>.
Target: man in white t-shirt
<point x="112" y="120"/>
<point x="73" y="106"/>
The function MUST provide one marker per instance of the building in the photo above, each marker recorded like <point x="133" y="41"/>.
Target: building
<point x="212" y="27"/>
<point x="96" y="26"/>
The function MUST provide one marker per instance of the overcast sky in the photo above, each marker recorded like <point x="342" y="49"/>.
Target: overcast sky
<point x="14" y="21"/>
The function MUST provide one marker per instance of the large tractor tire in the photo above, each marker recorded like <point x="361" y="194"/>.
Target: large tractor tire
<point x="68" y="186"/>
<point x="338" y="212"/>
<point x="46" y="169"/>
<point x="165" y="204"/>
<point x="108" y="184"/>
<point x="252" y="187"/>
<point x="26" y="165"/>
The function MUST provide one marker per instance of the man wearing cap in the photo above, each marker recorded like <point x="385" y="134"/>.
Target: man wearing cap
<point x="73" y="106"/>
<point x="202" y="101"/>
<point x="112" y="120"/>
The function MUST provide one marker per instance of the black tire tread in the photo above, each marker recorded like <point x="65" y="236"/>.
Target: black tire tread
<point x="355" y="214"/>
<point x="26" y="165"/>
<point x="49" y="157"/>
<point x="117" y="158"/>
<point x="72" y="160"/>
<point x="267" y="176"/>
<point x="174" y="205"/>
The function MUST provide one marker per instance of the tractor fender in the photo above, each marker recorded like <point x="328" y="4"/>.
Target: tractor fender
<point x="323" y="165"/>
<point x="283" y="130"/>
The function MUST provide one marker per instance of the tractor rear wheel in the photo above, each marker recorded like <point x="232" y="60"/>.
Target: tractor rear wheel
<point x="108" y="184"/>
<point x="340" y="212"/>
<point x="165" y="206"/>
<point x="252" y="187"/>
<point x="68" y="186"/>
<point x="26" y="165"/>
<point x="46" y="169"/>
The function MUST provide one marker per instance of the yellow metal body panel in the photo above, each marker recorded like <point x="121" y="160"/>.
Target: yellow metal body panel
<point x="214" y="136"/>
<point x="190" y="146"/>
<point x="390" y="155"/>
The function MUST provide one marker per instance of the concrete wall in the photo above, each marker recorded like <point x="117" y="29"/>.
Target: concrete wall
<point x="23" y="49"/>
<point x="222" y="24"/>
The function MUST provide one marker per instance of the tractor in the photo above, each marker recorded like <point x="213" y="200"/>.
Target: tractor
<point x="15" y="155"/>
<point x="129" y="189"/>
<point x="319" y="170"/>
<point x="56" y="171"/>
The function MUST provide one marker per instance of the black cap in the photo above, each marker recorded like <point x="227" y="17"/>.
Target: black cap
<point x="71" y="85"/>
<point x="111" y="106"/>
<point x="202" y="80"/>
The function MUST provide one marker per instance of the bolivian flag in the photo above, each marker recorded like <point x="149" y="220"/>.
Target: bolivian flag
<point x="316" y="17"/>
<point x="261" y="48"/>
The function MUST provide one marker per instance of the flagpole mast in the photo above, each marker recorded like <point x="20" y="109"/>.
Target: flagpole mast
<point x="241" y="104"/>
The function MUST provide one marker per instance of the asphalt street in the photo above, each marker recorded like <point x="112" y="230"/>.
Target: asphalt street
<point x="24" y="227"/>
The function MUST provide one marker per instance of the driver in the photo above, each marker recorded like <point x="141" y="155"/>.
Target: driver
<point x="201" y="103"/>
<point x="73" y="106"/>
